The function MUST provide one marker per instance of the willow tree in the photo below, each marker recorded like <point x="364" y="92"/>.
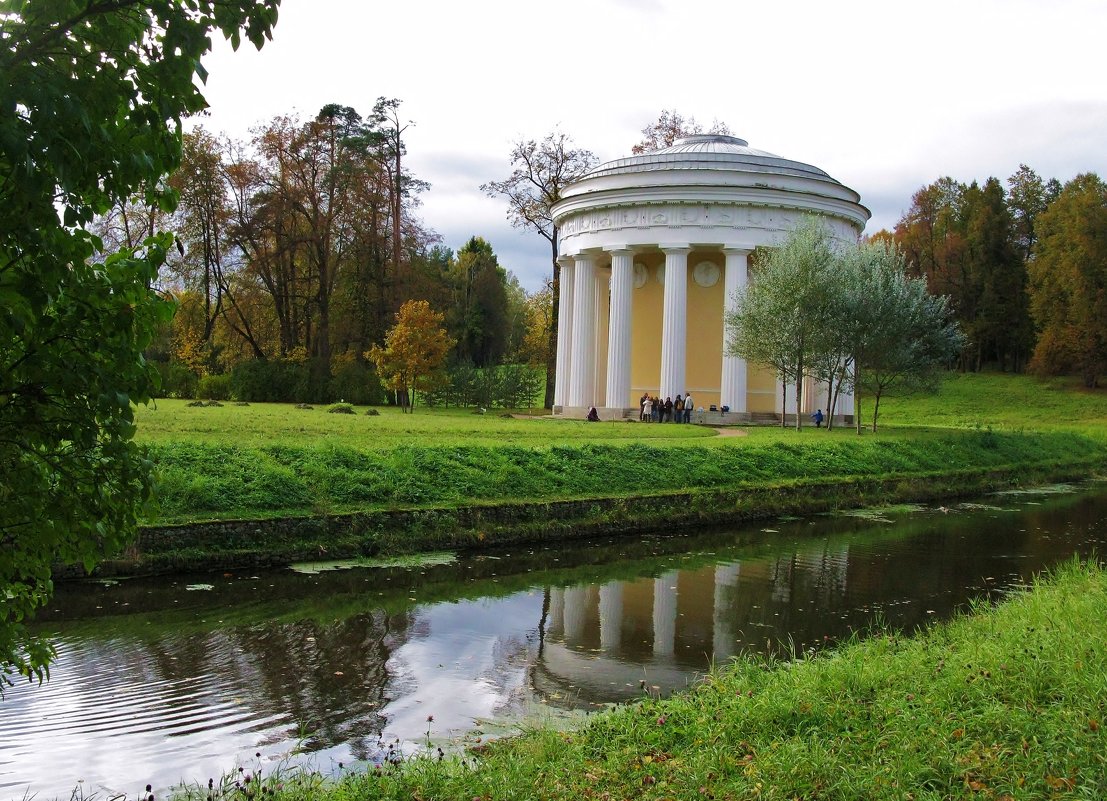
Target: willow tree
<point x="90" y="113"/>
<point x="780" y="320"/>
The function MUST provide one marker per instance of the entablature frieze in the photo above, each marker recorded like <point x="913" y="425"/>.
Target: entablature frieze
<point x="732" y="218"/>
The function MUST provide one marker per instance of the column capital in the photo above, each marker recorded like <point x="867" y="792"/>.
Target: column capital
<point x="584" y="258"/>
<point x="619" y="250"/>
<point x="740" y="250"/>
<point x="566" y="261"/>
<point x="675" y="247"/>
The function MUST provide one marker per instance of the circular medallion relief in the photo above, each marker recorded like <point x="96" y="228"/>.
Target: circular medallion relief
<point x="706" y="273"/>
<point x="660" y="273"/>
<point x="641" y="275"/>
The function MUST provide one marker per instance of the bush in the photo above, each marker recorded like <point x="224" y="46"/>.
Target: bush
<point x="177" y="381"/>
<point x="214" y="387"/>
<point x="341" y="408"/>
<point x="355" y="382"/>
<point x="282" y="381"/>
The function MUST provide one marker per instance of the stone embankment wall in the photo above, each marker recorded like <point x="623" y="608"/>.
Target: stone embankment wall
<point x="238" y="544"/>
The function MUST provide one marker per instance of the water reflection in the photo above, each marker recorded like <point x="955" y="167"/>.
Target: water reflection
<point x="156" y="682"/>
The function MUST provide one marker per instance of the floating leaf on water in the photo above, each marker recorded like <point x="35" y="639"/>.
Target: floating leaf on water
<point x="200" y="587"/>
<point x="1048" y="489"/>
<point x="408" y="561"/>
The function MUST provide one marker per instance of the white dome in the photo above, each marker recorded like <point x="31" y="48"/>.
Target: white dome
<point x="713" y="188"/>
<point x="708" y="152"/>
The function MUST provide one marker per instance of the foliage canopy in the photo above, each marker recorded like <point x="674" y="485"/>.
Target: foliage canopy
<point x="90" y="113"/>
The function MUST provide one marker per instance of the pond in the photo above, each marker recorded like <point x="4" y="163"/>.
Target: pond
<point x="176" y="679"/>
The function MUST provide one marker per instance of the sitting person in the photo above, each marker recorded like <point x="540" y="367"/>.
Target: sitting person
<point x="593" y="416"/>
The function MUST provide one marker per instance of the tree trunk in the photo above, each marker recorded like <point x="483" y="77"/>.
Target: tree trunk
<point x="857" y="397"/>
<point x="876" y="408"/>
<point x="783" y="399"/>
<point x="799" y="394"/>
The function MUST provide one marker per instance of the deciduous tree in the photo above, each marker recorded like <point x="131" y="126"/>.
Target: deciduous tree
<point x="541" y="171"/>
<point x="414" y="352"/>
<point x="671" y="126"/>
<point x="1068" y="282"/>
<point x="780" y="320"/>
<point x="90" y="113"/>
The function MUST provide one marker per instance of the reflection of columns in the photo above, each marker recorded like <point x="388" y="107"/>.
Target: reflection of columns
<point x="618" y="336"/>
<point x="722" y="623"/>
<point x="564" y="332"/>
<point x="576" y="601"/>
<point x="582" y="361"/>
<point x="664" y="609"/>
<point x="557" y="609"/>
<point x="674" y="323"/>
<point x="733" y="389"/>
<point x="611" y="615"/>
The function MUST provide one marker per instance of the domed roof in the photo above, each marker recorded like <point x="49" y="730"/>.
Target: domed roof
<point x="708" y="152"/>
<point x="696" y="172"/>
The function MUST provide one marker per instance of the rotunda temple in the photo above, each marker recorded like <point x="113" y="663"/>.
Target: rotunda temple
<point x="653" y="249"/>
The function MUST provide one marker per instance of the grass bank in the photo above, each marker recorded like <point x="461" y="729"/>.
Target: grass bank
<point x="1006" y="703"/>
<point x="293" y="483"/>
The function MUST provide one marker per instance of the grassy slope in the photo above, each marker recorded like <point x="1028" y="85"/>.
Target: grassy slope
<point x="1004" y="704"/>
<point x="269" y="459"/>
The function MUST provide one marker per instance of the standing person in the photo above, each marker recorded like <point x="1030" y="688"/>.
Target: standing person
<point x="678" y="410"/>
<point x="668" y="411"/>
<point x="689" y="405"/>
<point x="642" y="413"/>
<point x="656" y="409"/>
<point x="818" y="418"/>
<point x="647" y="407"/>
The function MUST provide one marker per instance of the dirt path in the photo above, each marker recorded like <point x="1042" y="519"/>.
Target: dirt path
<point x="732" y="432"/>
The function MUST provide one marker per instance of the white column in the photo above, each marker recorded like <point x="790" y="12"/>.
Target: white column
<point x="618" y="329"/>
<point x="564" y="333"/>
<point x="611" y="615"/>
<point x="582" y="361"/>
<point x="733" y="388"/>
<point x="674" y="325"/>
<point x="665" y="611"/>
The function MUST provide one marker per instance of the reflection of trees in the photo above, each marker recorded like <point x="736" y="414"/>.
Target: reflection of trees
<point x="325" y="680"/>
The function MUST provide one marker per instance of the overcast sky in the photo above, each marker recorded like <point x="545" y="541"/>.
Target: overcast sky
<point x="884" y="96"/>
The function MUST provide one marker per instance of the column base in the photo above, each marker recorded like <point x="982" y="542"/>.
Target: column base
<point x="606" y="413"/>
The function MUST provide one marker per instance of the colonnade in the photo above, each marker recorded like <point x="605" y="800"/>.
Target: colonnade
<point x="579" y="312"/>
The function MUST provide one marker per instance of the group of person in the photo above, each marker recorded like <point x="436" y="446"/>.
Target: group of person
<point x="654" y="410"/>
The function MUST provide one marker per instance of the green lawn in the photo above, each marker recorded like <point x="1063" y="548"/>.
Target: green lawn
<point x="266" y="460"/>
<point x="1001" y="401"/>
<point x="278" y="423"/>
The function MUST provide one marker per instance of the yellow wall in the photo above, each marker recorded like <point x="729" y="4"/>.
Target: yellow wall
<point x="762" y="388"/>
<point x="704" y="354"/>
<point x="646" y="304"/>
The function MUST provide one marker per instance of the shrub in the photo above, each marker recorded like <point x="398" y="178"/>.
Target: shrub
<point x="341" y="408"/>
<point x="282" y="381"/>
<point x="214" y="387"/>
<point x="177" y="381"/>
<point x="356" y="382"/>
